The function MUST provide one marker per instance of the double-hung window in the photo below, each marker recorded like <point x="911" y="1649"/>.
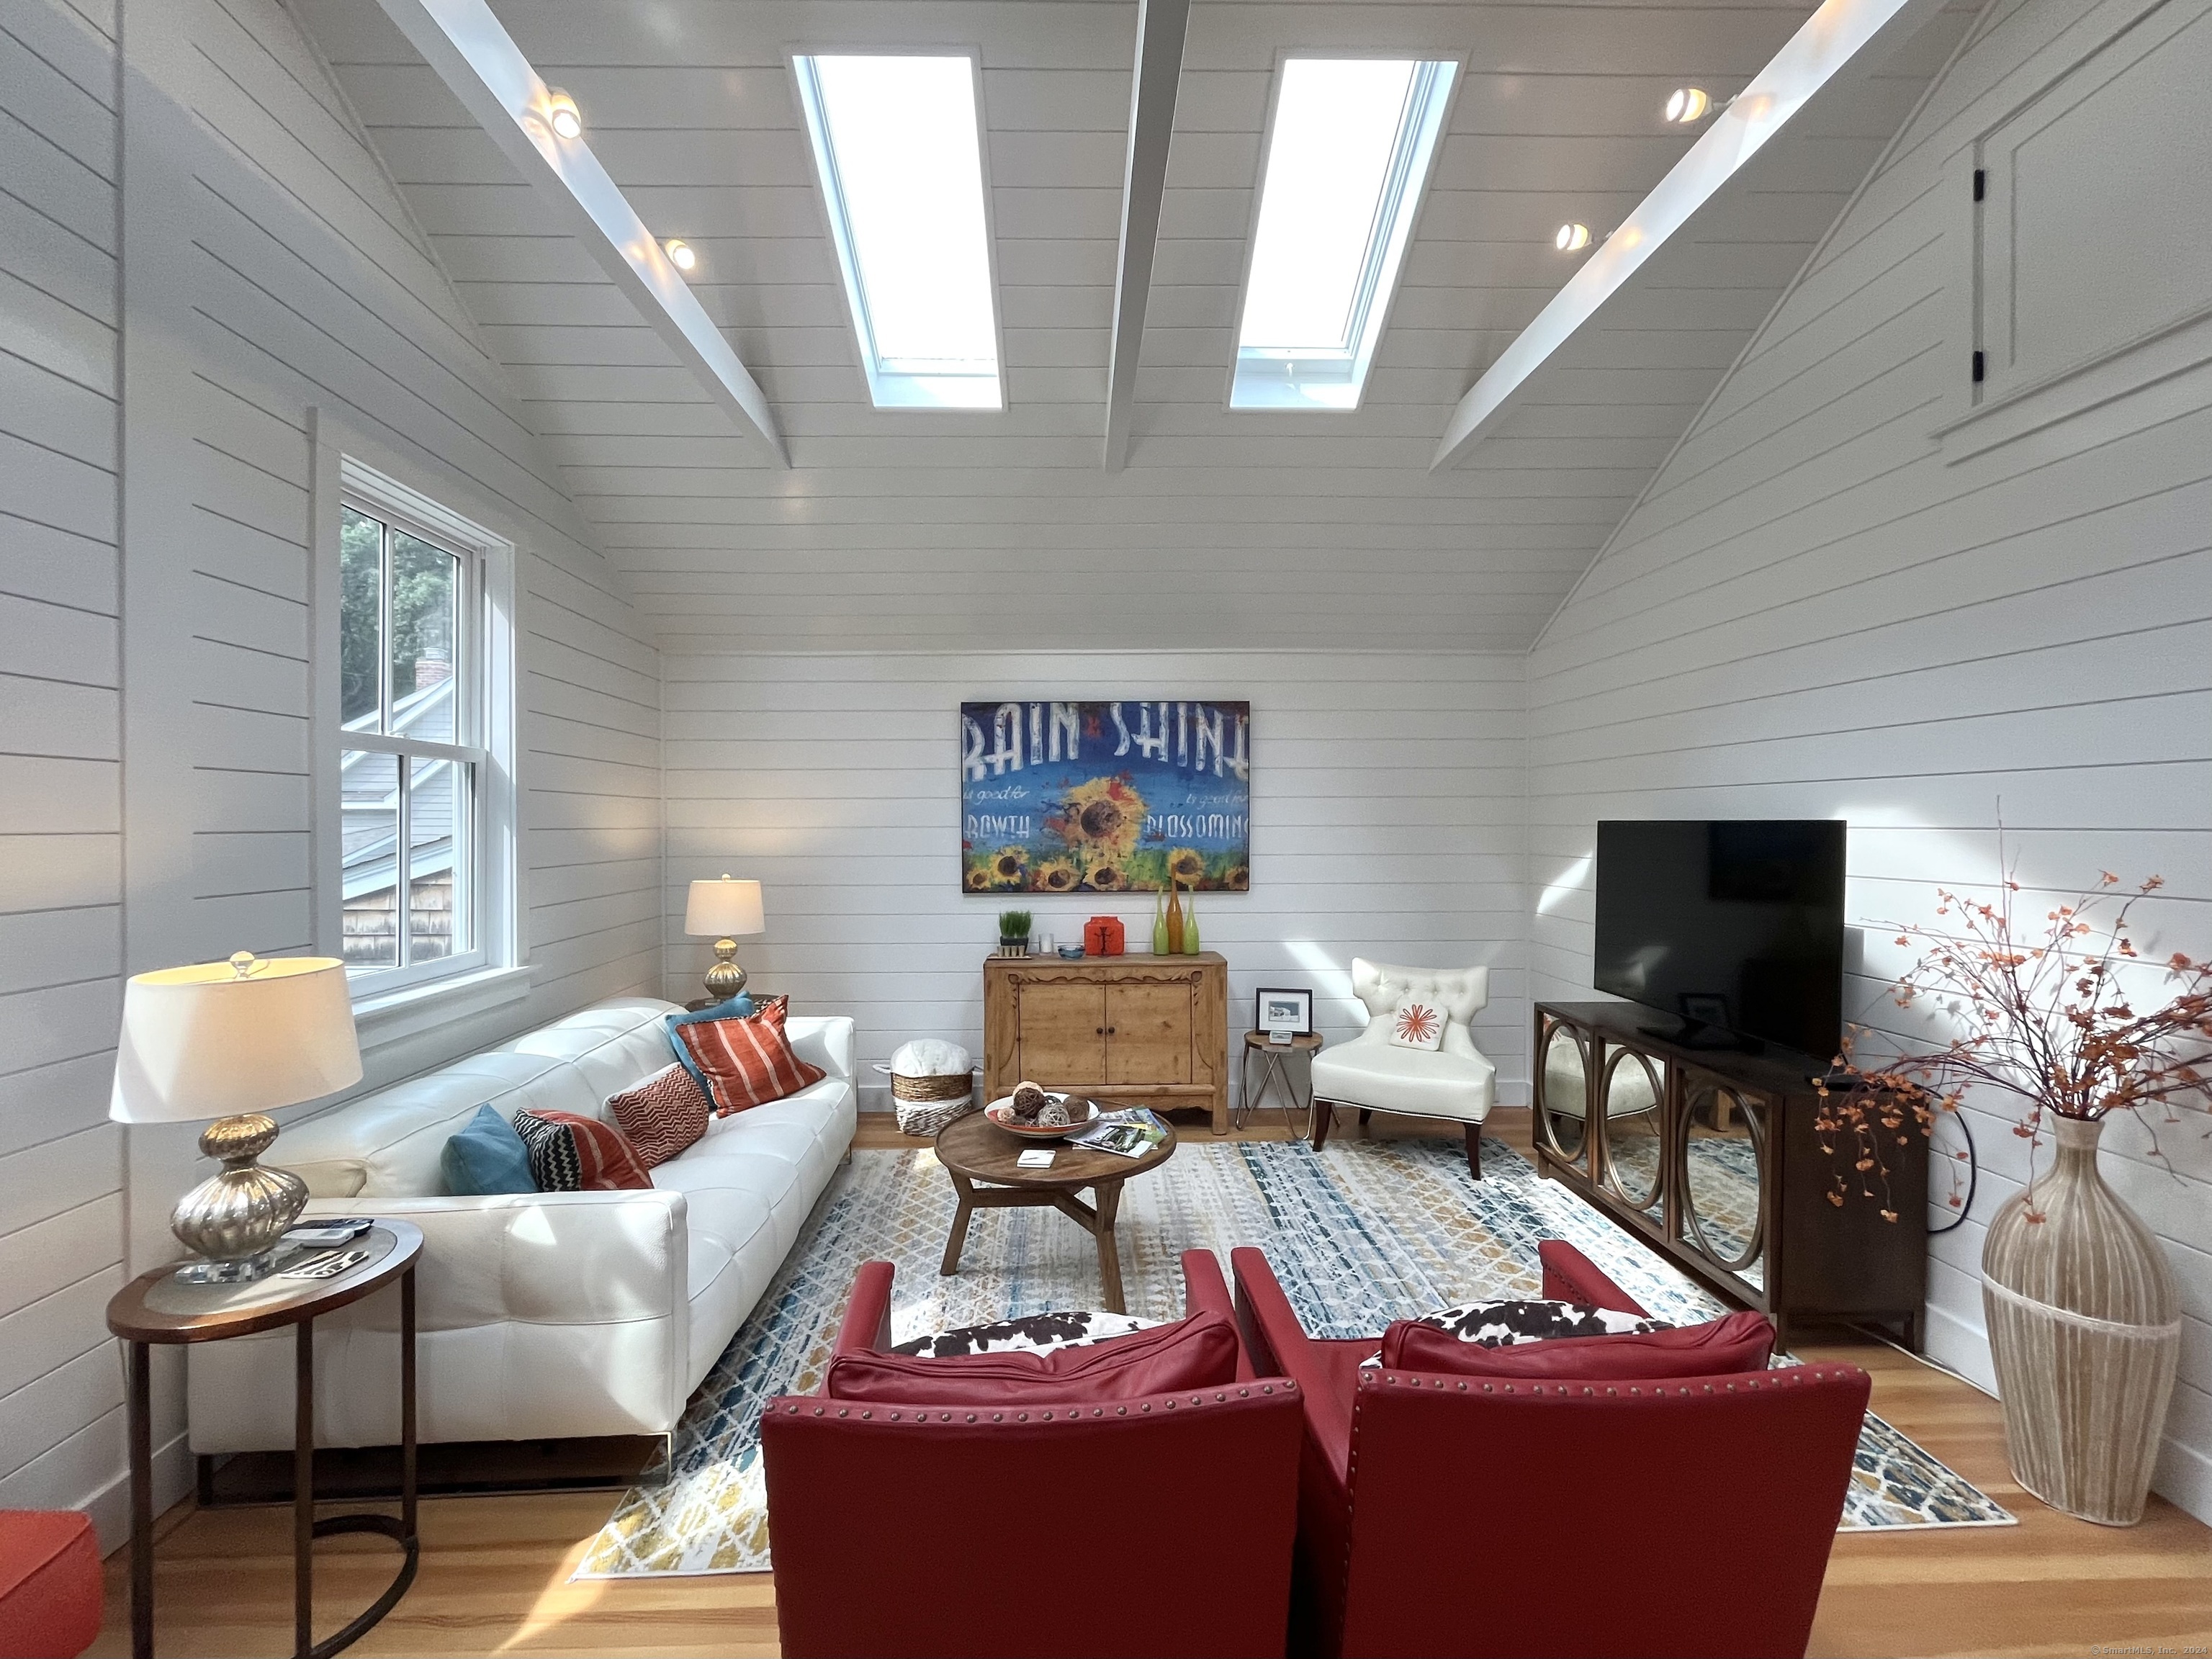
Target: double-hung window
<point x="420" y="784"/>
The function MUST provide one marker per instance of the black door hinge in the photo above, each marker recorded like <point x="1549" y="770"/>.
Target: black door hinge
<point x="1978" y="368"/>
<point x="1981" y="184"/>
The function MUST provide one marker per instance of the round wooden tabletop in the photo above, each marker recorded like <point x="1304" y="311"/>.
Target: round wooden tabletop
<point x="981" y="1150"/>
<point x="159" y="1307"/>
<point x="1304" y="1044"/>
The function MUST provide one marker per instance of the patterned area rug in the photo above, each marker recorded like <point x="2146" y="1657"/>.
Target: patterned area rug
<point x="1359" y="1234"/>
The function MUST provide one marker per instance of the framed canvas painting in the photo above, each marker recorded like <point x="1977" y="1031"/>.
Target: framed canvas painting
<point x="1105" y="797"/>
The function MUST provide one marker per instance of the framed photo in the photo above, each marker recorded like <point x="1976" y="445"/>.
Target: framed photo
<point x="1275" y="1009"/>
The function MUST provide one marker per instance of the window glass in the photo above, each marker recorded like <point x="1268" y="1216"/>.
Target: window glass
<point x="425" y="626"/>
<point x="437" y="852"/>
<point x="361" y="586"/>
<point x="368" y="810"/>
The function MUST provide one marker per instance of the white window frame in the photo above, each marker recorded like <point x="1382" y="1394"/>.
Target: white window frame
<point x="1262" y="381"/>
<point x="894" y="390"/>
<point x="485" y="734"/>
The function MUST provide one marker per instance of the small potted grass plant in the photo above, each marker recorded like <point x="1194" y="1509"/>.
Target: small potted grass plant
<point x="1013" y="932"/>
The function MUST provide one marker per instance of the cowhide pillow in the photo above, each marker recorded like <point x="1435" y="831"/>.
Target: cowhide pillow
<point x="1031" y="1333"/>
<point x="1501" y="1324"/>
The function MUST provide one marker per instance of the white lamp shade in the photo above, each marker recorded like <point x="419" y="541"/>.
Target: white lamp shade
<point x="724" y="910"/>
<point x="204" y="1042"/>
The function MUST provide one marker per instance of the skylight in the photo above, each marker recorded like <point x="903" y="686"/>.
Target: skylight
<point x="896" y="141"/>
<point x="1352" y="142"/>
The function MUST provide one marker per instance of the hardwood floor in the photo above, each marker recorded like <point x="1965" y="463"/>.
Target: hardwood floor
<point x="494" y="1570"/>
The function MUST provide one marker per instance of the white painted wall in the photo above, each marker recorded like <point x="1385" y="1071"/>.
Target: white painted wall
<point x="278" y="296"/>
<point x="1815" y="611"/>
<point x="1386" y="814"/>
<point x="60" y="1206"/>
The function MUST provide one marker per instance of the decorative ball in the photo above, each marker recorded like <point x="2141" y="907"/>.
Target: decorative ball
<point x="1053" y="1115"/>
<point x="1029" y="1100"/>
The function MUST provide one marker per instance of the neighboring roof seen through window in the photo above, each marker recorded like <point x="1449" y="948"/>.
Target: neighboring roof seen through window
<point x="897" y="143"/>
<point x="1350" y="148"/>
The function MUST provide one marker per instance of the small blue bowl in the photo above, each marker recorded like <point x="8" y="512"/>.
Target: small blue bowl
<point x="1071" y="953"/>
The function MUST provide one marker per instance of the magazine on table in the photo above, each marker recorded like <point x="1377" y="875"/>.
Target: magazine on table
<point x="1131" y="1133"/>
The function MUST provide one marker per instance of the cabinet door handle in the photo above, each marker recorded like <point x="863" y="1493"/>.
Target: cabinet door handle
<point x="1099" y="1031"/>
<point x="1109" y="1031"/>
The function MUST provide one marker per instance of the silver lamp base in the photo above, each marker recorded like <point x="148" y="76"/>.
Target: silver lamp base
<point x="726" y="978"/>
<point x="233" y="1220"/>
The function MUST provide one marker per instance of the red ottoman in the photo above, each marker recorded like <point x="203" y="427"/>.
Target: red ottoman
<point x="49" y="1584"/>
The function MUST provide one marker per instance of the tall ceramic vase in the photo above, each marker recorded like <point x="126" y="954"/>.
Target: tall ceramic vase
<point x="2084" y="1329"/>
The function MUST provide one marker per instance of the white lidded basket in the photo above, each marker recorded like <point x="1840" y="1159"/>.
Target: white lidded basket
<point x="933" y="1082"/>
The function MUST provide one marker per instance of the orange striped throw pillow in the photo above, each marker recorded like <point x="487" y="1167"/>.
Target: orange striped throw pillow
<point x="746" y="1062"/>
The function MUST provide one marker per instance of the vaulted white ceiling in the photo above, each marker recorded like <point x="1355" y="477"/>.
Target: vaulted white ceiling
<point x="927" y="528"/>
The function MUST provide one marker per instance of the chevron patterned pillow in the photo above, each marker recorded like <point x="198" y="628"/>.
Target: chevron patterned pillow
<point x="663" y="1115"/>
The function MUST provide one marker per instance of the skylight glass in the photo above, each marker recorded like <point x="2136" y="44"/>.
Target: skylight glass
<point x="897" y="144"/>
<point x="1351" y="146"/>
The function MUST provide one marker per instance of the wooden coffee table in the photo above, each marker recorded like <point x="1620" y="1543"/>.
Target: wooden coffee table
<point x="974" y="1149"/>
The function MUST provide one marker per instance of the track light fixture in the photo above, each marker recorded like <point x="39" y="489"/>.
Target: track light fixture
<point x="680" y="254"/>
<point x="1687" y="106"/>
<point x="1571" y="238"/>
<point x="562" y="113"/>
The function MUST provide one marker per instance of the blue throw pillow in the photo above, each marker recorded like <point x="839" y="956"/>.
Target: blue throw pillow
<point x="739" y="1006"/>
<point x="486" y="1157"/>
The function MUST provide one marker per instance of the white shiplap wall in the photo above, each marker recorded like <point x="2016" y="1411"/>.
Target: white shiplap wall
<point x="1814" y="612"/>
<point x="61" y="1232"/>
<point x="1385" y="815"/>
<point x="156" y="791"/>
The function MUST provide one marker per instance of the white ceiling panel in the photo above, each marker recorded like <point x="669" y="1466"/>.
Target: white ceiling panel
<point x="915" y="528"/>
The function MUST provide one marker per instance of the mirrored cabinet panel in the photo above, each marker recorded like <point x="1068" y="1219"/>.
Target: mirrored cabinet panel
<point x="1634" y="1090"/>
<point x="1562" y="1106"/>
<point x="1723" y="1140"/>
<point x="1707" y="1156"/>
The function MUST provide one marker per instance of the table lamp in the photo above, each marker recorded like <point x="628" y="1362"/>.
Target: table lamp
<point x="725" y="911"/>
<point x="233" y="1040"/>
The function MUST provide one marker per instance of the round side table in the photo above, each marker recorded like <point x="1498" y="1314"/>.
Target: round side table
<point x="974" y="1150"/>
<point x="158" y="1307"/>
<point x="1274" y="1070"/>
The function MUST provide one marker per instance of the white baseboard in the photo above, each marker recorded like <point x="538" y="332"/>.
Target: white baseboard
<point x="109" y="1506"/>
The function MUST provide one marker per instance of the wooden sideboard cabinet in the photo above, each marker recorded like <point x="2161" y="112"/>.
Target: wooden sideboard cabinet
<point x="1711" y="1158"/>
<point x="1152" y="1030"/>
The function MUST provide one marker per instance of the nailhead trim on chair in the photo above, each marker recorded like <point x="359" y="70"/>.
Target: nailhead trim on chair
<point x="1221" y="1397"/>
<point x="1787" y="1377"/>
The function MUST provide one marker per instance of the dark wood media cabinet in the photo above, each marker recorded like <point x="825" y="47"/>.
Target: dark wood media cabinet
<point x="1709" y="1156"/>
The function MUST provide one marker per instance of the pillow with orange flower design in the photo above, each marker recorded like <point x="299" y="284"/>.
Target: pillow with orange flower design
<point x="1417" y="1022"/>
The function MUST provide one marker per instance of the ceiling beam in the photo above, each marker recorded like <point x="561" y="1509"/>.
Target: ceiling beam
<point x="1840" y="31"/>
<point x="1161" y="28"/>
<point x="475" y="57"/>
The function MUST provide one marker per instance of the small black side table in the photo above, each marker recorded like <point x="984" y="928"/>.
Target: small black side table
<point x="1273" y="1071"/>
<point x="158" y="1307"/>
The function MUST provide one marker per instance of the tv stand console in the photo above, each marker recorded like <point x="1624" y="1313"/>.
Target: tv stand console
<point x="1709" y="1156"/>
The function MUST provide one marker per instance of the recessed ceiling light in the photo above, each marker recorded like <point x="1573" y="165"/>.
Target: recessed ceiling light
<point x="562" y="113"/>
<point x="1688" y="104"/>
<point x="1571" y="239"/>
<point x="680" y="253"/>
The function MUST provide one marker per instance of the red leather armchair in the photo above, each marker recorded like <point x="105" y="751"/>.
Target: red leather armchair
<point x="1453" y="1515"/>
<point x="1166" y="1521"/>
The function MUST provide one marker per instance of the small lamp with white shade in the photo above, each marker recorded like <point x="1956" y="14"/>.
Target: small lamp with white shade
<point x="234" y="1041"/>
<point x="725" y="911"/>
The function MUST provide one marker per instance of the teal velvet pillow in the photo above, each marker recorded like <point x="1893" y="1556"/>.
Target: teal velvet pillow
<point x="486" y="1157"/>
<point x="739" y="1006"/>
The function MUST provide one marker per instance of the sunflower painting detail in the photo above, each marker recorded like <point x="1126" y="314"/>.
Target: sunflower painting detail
<point x="1105" y="797"/>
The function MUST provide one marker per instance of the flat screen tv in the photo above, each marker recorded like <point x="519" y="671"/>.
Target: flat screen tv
<point x="1734" y="926"/>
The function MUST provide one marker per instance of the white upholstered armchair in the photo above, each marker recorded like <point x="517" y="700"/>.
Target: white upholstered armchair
<point x="1373" y="1074"/>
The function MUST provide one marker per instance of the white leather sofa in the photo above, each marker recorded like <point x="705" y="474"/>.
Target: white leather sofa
<point x="1373" y="1074"/>
<point x="539" y="1316"/>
